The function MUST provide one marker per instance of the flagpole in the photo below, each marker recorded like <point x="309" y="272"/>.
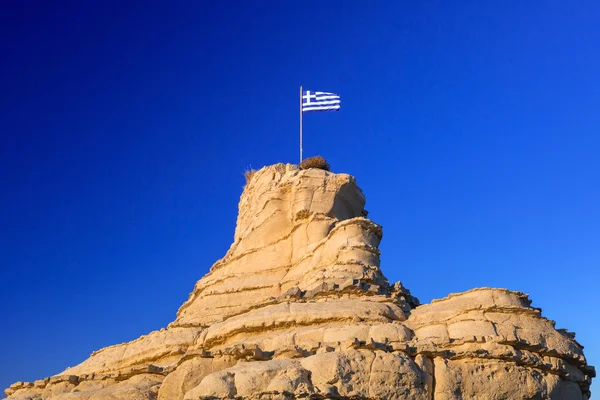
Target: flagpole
<point x="300" y="123"/>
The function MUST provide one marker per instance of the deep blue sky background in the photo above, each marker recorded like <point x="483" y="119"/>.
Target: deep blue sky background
<point x="472" y="128"/>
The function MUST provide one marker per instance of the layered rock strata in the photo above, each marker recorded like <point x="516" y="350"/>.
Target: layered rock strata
<point x="299" y="308"/>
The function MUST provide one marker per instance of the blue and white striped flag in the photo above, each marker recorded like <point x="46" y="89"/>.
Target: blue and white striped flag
<point x="320" y="101"/>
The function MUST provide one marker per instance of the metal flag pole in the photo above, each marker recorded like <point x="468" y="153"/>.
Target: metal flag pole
<point x="300" y="123"/>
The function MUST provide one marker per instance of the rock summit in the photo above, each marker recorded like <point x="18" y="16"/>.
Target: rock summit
<point x="299" y="308"/>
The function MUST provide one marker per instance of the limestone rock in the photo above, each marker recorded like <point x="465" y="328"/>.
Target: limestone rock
<point x="299" y="308"/>
<point x="340" y="374"/>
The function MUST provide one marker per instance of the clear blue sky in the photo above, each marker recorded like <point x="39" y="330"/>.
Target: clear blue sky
<point x="472" y="127"/>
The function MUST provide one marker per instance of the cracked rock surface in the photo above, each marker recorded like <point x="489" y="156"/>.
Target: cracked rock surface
<point x="299" y="308"/>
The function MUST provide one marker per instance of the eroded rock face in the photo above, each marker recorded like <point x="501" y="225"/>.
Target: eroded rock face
<point x="298" y="308"/>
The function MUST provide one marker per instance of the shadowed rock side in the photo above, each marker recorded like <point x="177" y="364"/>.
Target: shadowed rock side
<point x="299" y="308"/>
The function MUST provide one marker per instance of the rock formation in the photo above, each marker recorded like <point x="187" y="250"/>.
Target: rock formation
<point x="299" y="308"/>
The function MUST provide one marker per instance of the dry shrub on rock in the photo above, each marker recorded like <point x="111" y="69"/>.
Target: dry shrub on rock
<point x="248" y="174"/>
<point x="302" y="214"/>
<point x="315" y="162"/>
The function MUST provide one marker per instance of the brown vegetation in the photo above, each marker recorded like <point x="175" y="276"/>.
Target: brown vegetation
<point x="302" y="214"/>
<point x="248" y="174"/>
<point x="315" y="162"/>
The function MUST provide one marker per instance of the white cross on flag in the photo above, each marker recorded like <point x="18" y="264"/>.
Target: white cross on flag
<point x="320" y="101"/>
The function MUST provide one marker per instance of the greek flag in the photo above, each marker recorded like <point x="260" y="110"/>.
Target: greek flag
<point x="320" y="101"/>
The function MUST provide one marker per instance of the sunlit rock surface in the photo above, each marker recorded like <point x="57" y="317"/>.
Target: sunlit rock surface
<point x="299" y="308"/>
